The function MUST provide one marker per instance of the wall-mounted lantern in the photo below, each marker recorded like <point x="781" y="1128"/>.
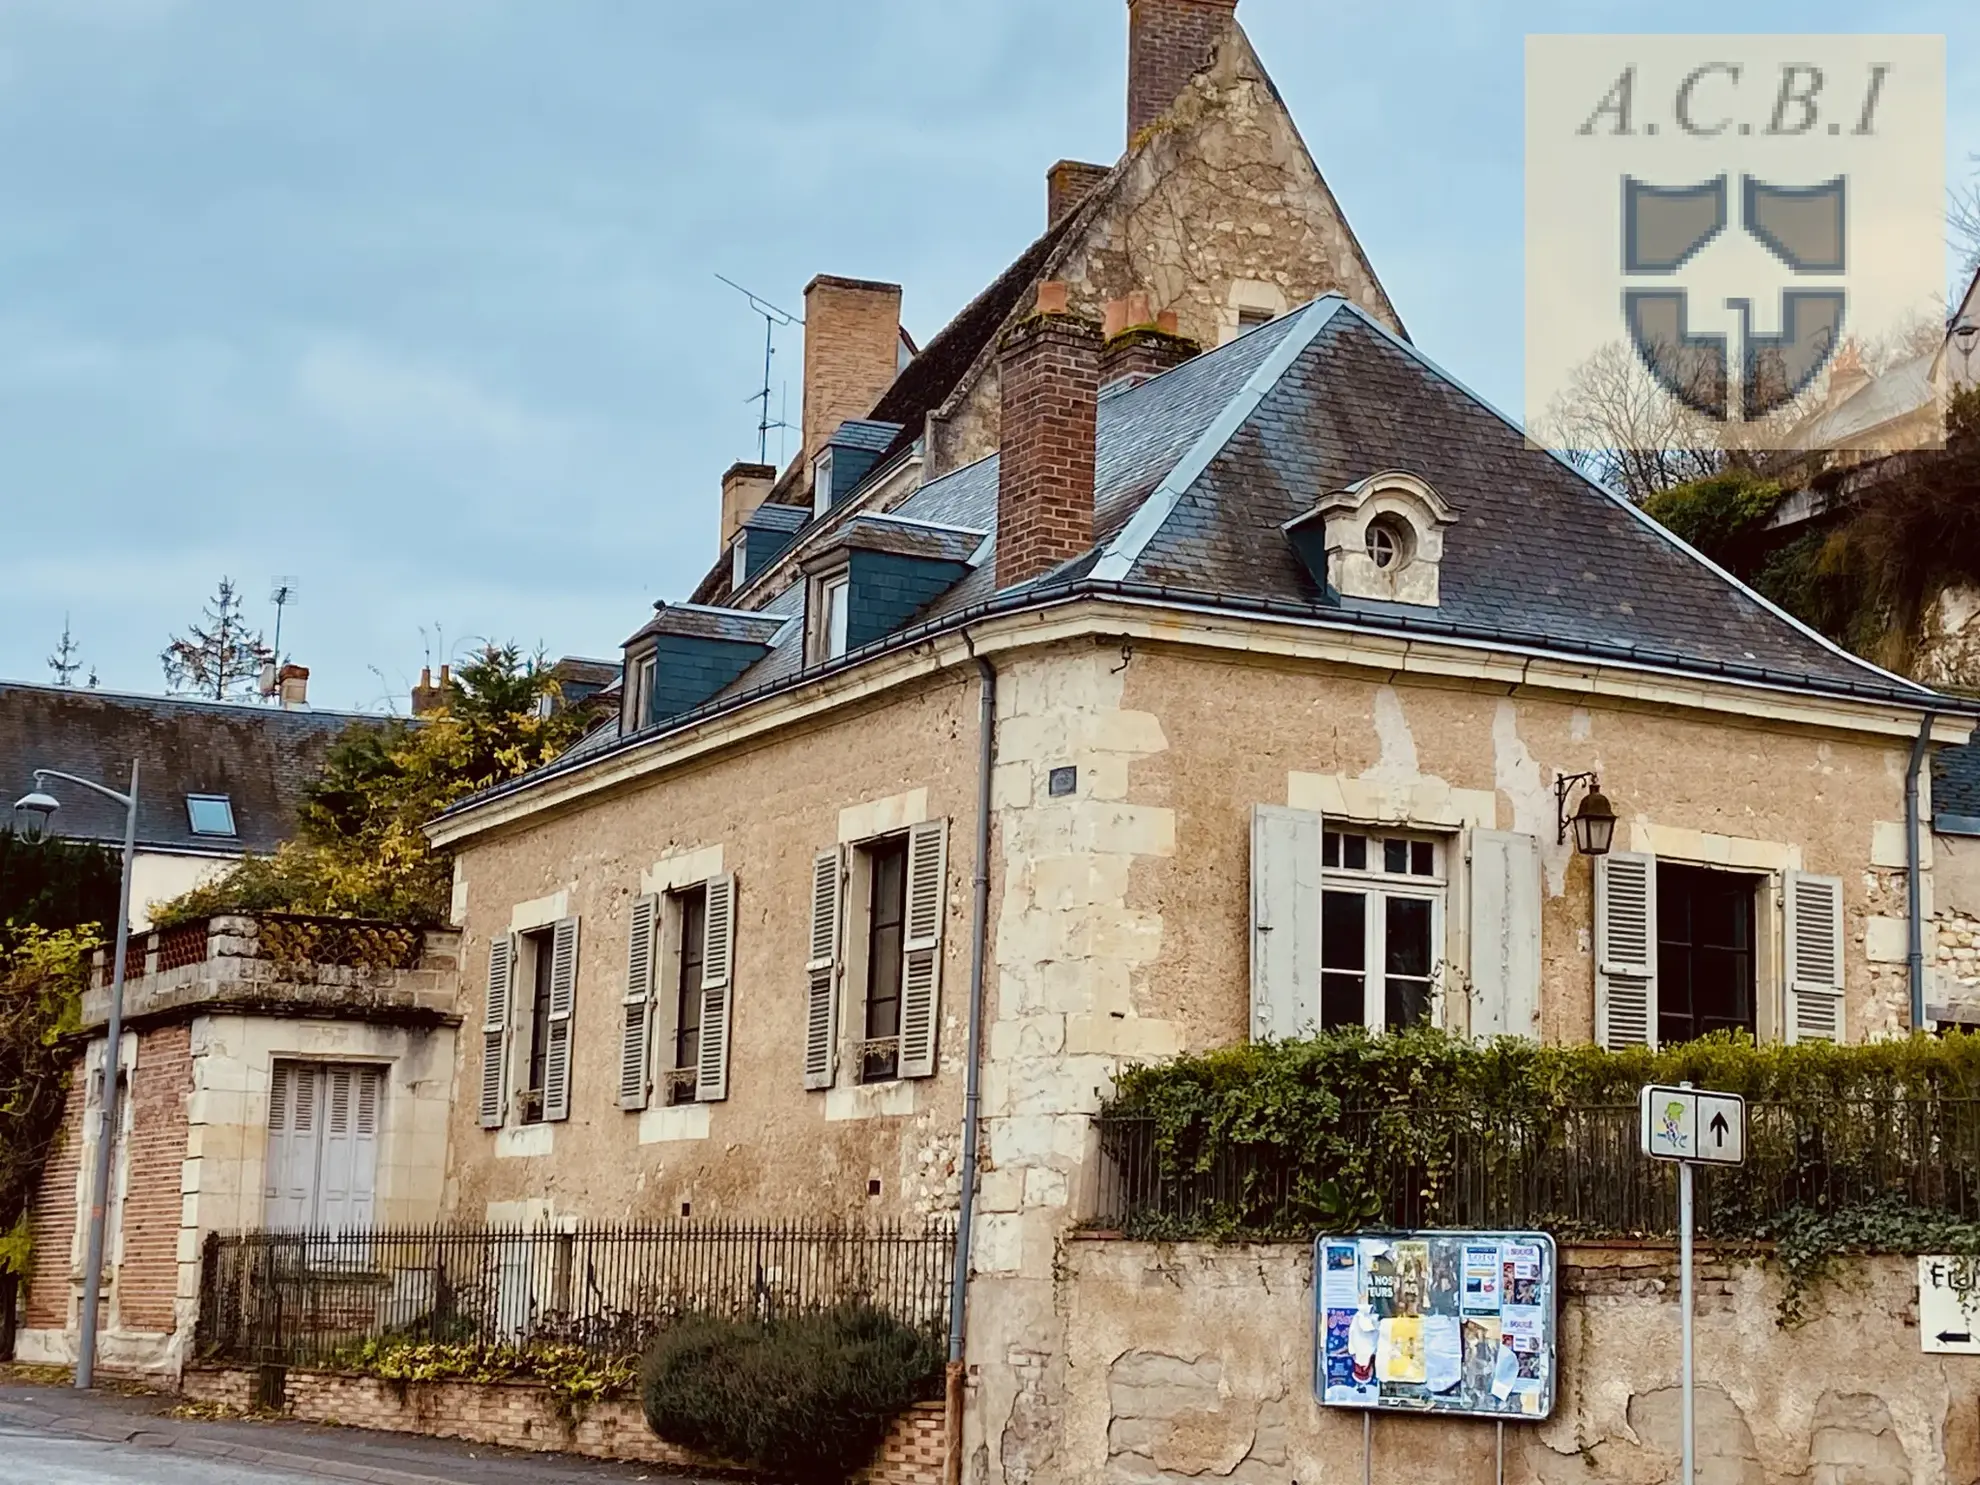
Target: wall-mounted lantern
<point x="1594" y="823"/>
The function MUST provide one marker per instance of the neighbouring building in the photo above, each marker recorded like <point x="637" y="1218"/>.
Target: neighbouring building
<point x="216" y="780"/>
<point x="275" y="1073"/>
<point x="1295" y="647"/>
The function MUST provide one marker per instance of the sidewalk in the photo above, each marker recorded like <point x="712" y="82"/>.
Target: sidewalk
<point x="145" y="1421"/>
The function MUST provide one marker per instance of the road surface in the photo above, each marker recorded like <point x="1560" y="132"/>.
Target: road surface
<point x="31" y="1458"/>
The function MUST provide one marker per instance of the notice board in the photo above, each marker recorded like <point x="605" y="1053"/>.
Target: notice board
<point x="1459" y="1324"/>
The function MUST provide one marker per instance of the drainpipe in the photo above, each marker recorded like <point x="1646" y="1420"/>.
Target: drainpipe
<point x="972" y="1078"/>
<point x="1915" y="907"/>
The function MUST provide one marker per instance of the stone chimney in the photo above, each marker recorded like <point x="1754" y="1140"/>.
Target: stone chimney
<point x="1847" y="376"/>
<point x="428" y="698"/>
<point x="293" y="683"/>
<point x="1169" y="42"/>
<point x="744" y="488"/>
<point x="1050" y="369"/>
<point x="1068" y="184"/>
<point x="852" y="352"/>
<point x="1141" y="345"/>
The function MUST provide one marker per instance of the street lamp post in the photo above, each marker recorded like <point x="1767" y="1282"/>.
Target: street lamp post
<point x="43" y="804"/>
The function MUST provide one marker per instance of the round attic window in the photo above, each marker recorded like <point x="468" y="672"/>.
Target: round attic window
<point x="1390" y="542"/>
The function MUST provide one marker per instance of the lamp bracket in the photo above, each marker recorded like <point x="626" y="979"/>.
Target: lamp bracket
<point x="1564" y="784"/>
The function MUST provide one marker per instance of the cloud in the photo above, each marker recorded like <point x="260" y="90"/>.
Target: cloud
<point x="379" y="397"/>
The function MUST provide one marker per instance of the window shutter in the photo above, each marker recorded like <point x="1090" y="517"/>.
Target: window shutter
<point x="1814" y="958"/>
<point x="1505" y="934"/>
<point x="921" y="967"/>
<point x="563" y="1000"/>
<point x="333" y="1189"/>
<point x="495" y="1033"/>
<point x="718" y="963"/>
<point x="1626" y="950"/>
<point x="1285" y="922"/>
<point x="821" y="996"/>
<point x="364" y="1146"/>
<point x="636" y="1036"/>
<point x="290" y="1177"/>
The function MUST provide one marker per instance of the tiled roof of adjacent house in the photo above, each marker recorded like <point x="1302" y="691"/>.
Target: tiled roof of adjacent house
<point x="1198" y="470"/>
<point x="261" y="758"/>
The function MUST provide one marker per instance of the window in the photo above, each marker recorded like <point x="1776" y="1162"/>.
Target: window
<point x="210" y="814"/>
<point x="1705" y="952"/>
<point x="1250" y="318"/>
<point x="690" y="963"/>
<point x="541" y="960"/>
<point x="821" y="483"/>
<point x="1390" y="542"/>
<point x="886" y="928"/>
<point x="323" y="1129"/>
<point x="1381" y="928"/>
<point x="639" y="691"/>
<point x="838" y="596"/>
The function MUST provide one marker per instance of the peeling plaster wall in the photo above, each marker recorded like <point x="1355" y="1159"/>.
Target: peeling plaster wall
<point x="1194" y="1362"/>
<point x="1223" y="211"/>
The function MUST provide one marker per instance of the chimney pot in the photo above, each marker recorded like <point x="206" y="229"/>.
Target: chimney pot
<point x="1050" y="375"/>
<point x="1167" y="323"/>
<point x="1169" y="42"/>
<point x="294" y="682"/>
<point x="1142" y="352"/>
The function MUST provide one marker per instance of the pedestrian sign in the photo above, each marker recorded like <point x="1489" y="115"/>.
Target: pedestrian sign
<point x="1693" y="1125"/>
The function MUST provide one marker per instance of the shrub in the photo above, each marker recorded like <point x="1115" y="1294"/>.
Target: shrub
<point x="807" y="1397"/>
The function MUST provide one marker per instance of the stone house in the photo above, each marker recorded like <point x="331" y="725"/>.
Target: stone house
<point x="274" y="1073"/>
<point x="1225" y="701"/>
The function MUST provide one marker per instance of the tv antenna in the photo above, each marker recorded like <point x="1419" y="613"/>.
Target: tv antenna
<point x="774" y="319"/>
<point x="282" y="594"/>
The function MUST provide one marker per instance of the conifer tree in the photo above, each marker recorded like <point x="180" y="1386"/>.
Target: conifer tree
<point x="220" y="658"/>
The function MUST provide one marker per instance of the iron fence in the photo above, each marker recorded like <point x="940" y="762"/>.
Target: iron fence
<point x="1577" y="1171"/>
<point x="309" y="1298"/>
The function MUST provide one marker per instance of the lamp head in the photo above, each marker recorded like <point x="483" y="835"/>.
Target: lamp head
<point x="34" y="810"/>
<point x="1594" y="824"/>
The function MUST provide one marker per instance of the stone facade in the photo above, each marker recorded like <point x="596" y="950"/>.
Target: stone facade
<point x="516" y="1415"/>
<point x="1194" y="1362"/>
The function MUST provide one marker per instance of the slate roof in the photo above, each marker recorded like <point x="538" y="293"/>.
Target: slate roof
<point x="785" y="519"/>
<point x="699" y="622"/>
<point x="262" y="758"/>
<point x="906" y="538"/>
<point x="1198" y="470"/>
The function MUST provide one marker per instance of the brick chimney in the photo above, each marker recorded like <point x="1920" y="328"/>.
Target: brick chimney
<point x="1169" y="42"/>
<point x="293" y="682"/>
<point x="1847" y="376"/>
<point x="744" y="488"/>
<point x="852" y="352"/>
<point x="1139" y="345"/>
<point x="428" y="698"/>
<point x="1050" y="369"/>
<point x="1068" y="184"/>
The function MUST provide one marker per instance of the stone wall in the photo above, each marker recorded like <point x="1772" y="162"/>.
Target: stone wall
<point x="516" y="1415"/>
<point x="1194" y="1362"/>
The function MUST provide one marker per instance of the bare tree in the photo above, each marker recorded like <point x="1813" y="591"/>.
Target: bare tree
<point x="63" y="664"/>
<point x="1617" y="424"/>
<point x="221" y="658"/>
<point x="1963" y="221"/>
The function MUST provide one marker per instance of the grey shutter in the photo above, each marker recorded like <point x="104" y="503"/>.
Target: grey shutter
<point x="718" y="962"/>
<point x="821" y="973"/>
<point x="1505" y="934"/>
<point x="495" y="1032"/>
<point x="1626" y="950"/>
<point x="289" y="1185"/>
<point x="636" y="1032"/>
<point x="921" y="966"/>
<point x="1285" y="923"/>
<point x="563" y="1002"/>
<point x="1814" y="958"/>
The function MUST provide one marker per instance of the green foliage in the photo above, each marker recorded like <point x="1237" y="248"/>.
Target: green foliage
<point x="1720" y="514"/>
<point x="572" y="1375"/>
<point x="1809" y="1240"/>
<point x="807" y="1398"/>
<point x="361" y="849"/>
<point x="56" y="883"/>
<point x="41" y="982"/>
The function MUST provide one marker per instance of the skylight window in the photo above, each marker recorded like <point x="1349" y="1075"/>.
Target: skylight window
<point x="210" y="814"/>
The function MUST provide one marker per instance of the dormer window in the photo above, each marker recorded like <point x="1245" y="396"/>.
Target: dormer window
<point x="821" y="483"/>
<point x="1381" y="538"/>
<point x="639" y="690"/>
<point x="835" y="607"/>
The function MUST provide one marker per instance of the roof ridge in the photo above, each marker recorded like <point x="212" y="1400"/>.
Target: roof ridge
<point x="1127" y="545"/>
<point x="253" y="708"/>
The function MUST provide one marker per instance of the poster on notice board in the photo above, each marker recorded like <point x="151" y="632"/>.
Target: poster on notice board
<point x="1452" y="1323"/>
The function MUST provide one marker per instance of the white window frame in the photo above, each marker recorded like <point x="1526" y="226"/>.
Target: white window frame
<point x="639" y="689"/>
<point x="821" y="483"/>
<point x="1377" y="887"/>
<point x="836" y="591"/>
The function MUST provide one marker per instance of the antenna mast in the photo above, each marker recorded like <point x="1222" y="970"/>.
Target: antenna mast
<point x="774" y="319"/>
<point x="282" y="594"/>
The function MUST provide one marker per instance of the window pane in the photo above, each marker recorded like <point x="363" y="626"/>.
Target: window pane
<point x="1343" y="957"/>
<point x="687" y="987"/>
<point x="1330" y="848"/>
<point x="835" y="618"/>
<point x="887" y="917"/>
<point x="1423" y="858"/>
<point x="1406" y="939"/>
<point x="1395" y="856"/>
<point x="1705" y="952"/>
<point x="1343" y="1001"/>
<point x="1406" y="1003"/>
<point x="1354" y="852"/>
<point x="210" y="814"/>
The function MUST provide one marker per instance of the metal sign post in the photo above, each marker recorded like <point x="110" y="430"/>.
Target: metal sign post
<point x="1691" y="1127"/>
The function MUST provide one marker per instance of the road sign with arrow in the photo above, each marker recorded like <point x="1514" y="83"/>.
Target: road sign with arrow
<point x="1693" y="1125"/>
<point x="1949" y="1304"/>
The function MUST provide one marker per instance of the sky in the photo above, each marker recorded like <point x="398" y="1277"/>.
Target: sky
<point x="415" y="301"/>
